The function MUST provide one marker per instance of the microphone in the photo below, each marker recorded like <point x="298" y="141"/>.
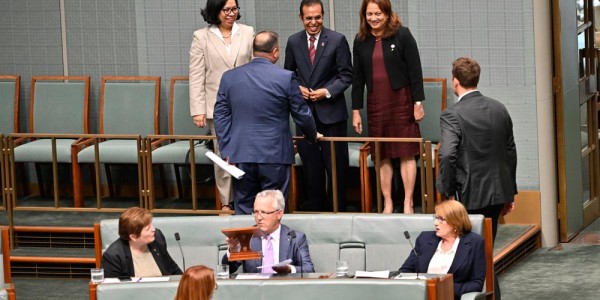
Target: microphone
<point x="293" y="235"/>
<point x="177" y="238"/>
<point x="407" y="236"/>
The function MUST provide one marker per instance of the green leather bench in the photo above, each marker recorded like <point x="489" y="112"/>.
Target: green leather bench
<point x="369" y="242"/>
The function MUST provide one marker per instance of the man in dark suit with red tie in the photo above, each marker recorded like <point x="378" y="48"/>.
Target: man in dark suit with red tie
<point x="322" y="61"/>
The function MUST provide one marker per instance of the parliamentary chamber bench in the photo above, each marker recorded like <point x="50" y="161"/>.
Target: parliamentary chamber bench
<point x="368" y="242"/>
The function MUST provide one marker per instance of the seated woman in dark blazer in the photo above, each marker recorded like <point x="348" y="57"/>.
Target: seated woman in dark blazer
<point x="140" y="251"/>
<point x="451" y="248"/>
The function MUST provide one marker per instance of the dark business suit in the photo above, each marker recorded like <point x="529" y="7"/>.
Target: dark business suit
<point x="478" y="157"/>
<point x="468" y="267"/>
<point x="295" y="249"/>
<point x="251" y="118"/>
<point x="402" y="63"/>
<point x="117" y="260"/>
<point x="332" y="70"/>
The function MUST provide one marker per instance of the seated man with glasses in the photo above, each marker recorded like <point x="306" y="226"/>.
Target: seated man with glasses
<point x="279" y="242"/>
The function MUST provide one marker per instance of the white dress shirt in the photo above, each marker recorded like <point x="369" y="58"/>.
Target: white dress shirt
<point x="275" y="239"/>
<point x="461" y="96"/>
<point x="441" y="261"/>
<point x="215" y="29"/>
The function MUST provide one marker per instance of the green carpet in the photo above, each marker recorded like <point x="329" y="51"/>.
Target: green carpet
<point x="564" y="272"/>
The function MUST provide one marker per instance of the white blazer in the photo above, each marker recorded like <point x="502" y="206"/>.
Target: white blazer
<point x="209" y="60"/>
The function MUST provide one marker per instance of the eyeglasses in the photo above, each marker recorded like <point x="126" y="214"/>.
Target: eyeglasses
<point x="263" y="213"/>
<point x="231" y="10"/>
<point x="438" y="218"/>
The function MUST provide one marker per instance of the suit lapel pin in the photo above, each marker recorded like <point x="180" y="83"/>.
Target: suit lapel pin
<point x="393" y="47"/>
<point x="322" y="44"/>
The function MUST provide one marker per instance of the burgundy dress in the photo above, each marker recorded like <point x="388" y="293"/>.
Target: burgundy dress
<point x="390" y="112"/>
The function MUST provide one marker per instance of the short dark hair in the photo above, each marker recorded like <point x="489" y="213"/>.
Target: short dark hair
<point x="466" y="70"/>
<point x="311" y="3"/>
<point x="132" y="221"/>
<point x="213" y="8"/>
<point x="266" y="45"/>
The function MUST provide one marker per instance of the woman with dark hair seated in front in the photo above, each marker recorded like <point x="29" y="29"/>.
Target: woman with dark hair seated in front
<point x="140" y="250"/>
<point x="197" y="283"/>
<point x="451" y="248"/>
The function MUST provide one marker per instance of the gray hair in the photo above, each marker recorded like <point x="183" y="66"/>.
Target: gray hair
<point x="277" y="196"/>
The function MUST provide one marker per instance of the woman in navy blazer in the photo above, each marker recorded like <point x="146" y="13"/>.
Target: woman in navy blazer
<point x="452" y="248"/>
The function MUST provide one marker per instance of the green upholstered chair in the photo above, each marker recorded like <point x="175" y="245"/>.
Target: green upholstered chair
<point x="176" y="152"/>
<point x="434" y="104"/>
<point x="436" y="90"/>
<point x="9" y="114"/>
<point x="9" y="101"/>
<point x="359" y="152"/>
<point x="128" y="105"/>
<point x="58" y="105"/>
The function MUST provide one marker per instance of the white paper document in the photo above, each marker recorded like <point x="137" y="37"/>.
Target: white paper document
<point x="373" y="274"/>
<point x="137" y="279"/>
<point x="253" y="276"/>
<point x="150" y="279"/>
<point x="231" y="169"/>
<point x="279" y="264"/>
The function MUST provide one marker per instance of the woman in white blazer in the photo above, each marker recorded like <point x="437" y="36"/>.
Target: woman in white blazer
<point x="223" y="45"/>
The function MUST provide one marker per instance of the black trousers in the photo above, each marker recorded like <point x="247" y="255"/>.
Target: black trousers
<point x="492" y="212"/>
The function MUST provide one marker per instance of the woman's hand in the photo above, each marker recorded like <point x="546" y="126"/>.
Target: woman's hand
<point x="199" y="120"/>
<point x="356" y="121"/>
<point x="419" y="112"/>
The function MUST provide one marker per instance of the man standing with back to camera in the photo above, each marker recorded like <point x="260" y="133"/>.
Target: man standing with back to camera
<point x="322" y="61"/>
<point x="252" y="114"/>
<point x="478" y="156"/>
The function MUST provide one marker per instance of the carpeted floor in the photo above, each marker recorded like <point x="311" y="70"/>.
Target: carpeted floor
<point x="565" y="272"/>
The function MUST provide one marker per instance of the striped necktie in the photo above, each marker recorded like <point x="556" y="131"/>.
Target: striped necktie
<point x="312" y="50"/>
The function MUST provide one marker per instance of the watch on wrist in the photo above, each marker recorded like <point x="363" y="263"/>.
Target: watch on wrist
<point x="327" y="94"/>
<point x="417" y="102"/>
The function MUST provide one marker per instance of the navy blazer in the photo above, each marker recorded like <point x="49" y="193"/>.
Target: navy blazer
<point x="402" y="63"/>
<point x="117" y="260"/>
<point x="468" y="267"/>
<point x="252" y="114"/>
<point x="289" y="248"/>
<point x="332" y="69"/>
<point x="478" y="156"/>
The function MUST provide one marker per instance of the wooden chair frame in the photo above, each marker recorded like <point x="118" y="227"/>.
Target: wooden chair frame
<point x="77" y="181"/>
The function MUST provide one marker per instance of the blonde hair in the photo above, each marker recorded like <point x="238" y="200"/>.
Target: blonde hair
<point x="456" y="216"/>
<point x="197" y="283"/>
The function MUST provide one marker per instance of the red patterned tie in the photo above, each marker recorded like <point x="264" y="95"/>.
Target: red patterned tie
<point x="312" y="50"/>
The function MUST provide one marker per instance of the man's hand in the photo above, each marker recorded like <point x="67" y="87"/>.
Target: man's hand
<point x="233" y="244"/>
<point x="317" y="95"/>
<point x="319" y="135"/>
<point x="419" y="112"/>
<point x="199" y="120"/>
<point x="356" y="121"/>
<point x="282" y="269"/>
<point x="508" y="208"/>
<point x="305" y="93"/>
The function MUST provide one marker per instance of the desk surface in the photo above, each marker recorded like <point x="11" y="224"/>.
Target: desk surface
<point x="291" y="286"/>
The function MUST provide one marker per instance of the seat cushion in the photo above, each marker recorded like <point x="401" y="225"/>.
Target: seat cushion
<point x="112" y="151"/>
<point x="178" y="153"/>
<point x="354" y="155"/>
<point x="40" y="151"/>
